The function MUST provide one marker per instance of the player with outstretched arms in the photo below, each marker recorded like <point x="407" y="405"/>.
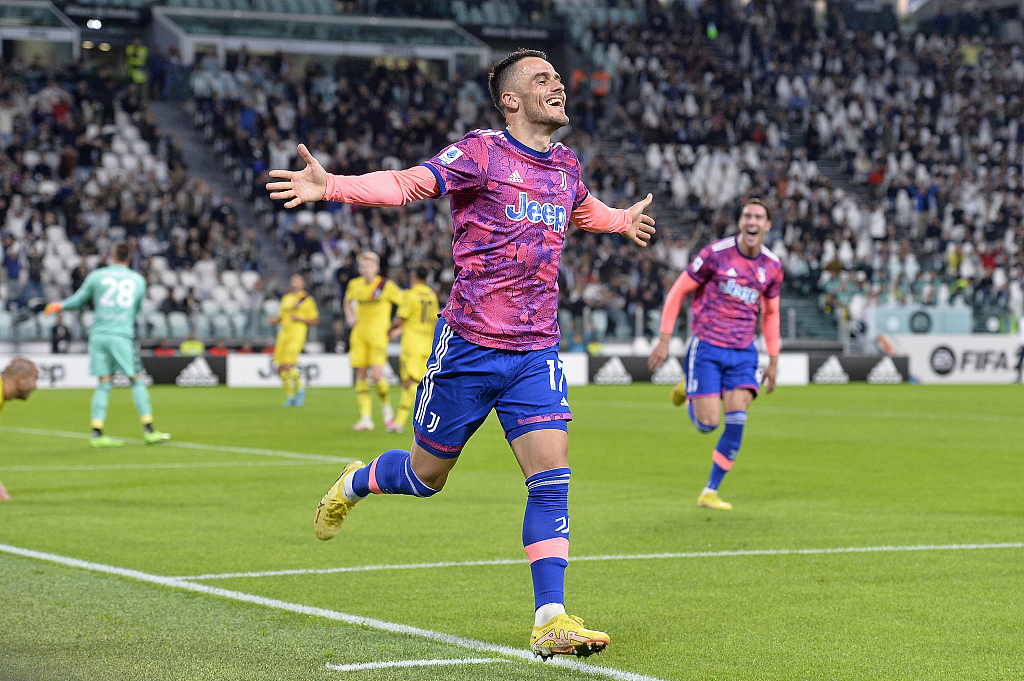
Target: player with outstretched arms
<point x="415" y="321"/>
<point x="116" y="293"/>
<point x="17" y="381"/>
<point x="731" y="280"/>
<point x="513" y="194"/>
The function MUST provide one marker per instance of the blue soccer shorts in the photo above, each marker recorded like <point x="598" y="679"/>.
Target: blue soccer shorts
<point x="711" y="370"/>
<point x="465" y="381"/>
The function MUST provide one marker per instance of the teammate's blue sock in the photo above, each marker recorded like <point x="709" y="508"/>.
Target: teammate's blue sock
<point x="100" y="402"/>
<point x="140" y="396"/>
<point x="728" y="447"/>
<point x="546" y="533"/>
<point x="702" y="427"/>
<point x="390" y="473"/>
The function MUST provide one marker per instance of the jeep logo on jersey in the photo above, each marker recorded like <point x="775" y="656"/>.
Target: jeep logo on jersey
<point x="548" y="213"/>
<point x="747" y="295"/>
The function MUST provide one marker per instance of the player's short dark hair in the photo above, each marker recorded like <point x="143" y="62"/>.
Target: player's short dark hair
<point x="121" y="251"/>
<point x="755" y="201"/>
<point x="421" y="273"/>
<point x="498" y="78"/>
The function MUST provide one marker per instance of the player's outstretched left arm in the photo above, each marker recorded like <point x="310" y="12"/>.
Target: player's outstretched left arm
<point x="300" y="186"/>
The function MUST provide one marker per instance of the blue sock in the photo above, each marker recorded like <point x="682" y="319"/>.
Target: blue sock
<point x="390" y="473"/>
<point x="702" y="427"/>
<point x="728" y="447"/>
<point x="546" y="533"/>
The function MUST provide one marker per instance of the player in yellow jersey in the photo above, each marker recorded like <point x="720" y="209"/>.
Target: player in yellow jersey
<point x="17" y="382"/>
<point x="297" y="313"/>
<point x="368" y="301"/>
<point x="415" y="321"/>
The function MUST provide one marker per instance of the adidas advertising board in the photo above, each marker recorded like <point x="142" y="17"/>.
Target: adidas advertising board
<point x="838" y="370"/>
<point x="186" y="372"/>
<point x="960" y="358"/>
<point x="793" y="370"/>
<point x="258" y="371"/>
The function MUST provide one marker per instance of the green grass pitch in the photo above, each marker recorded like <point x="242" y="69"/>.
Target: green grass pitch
<point x="750" y="594"/>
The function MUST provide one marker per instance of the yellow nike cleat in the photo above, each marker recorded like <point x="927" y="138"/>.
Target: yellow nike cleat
<point x="679" y="393"/>
<point x="712" y="500"/>
<point x="333" y="508"/>
<point x="565" y="635"/>
<point x="104" y="441"/>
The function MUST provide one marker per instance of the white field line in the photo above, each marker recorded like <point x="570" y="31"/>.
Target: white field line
<point x="634" y="556"/>
<point x="369" y="622"/>
<point x="157" y="466"/>
<point x="186" y="445"/>
<point x="842" y="413"/>
<point x="410" y="663"/>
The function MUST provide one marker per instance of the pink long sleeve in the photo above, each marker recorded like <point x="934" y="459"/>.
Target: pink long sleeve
<point x="384" y="187"/>
<point x="594" y="216"/>
<point x="684" y="286"/>
<point x="770" y="320"/>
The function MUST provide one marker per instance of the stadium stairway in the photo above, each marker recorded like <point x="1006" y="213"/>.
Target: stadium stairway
<point x="202" y="163"/>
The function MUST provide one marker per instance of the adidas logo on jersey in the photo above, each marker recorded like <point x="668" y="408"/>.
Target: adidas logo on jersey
<point x="885" y="372"/>
<point x="197" y="374"/>
<point x="613" y="373"/>
<point x="730" y="272"/>
<point x="515" y="177"/>
<point x="831" y="372"/>
<point x="669" y="373"/>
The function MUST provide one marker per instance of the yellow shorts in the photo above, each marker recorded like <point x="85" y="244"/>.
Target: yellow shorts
<point x="367" y="350"/>
<point x="287" y="351"/>
<point x="412" y="366"/>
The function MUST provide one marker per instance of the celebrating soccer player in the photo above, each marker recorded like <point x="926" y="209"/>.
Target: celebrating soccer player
<point x="368" y="302"/>
<point x="297" y="313"/>
<point x="17" y="381"/>
<point x="415" y="321"/>
<point x="730" y="280"/>
<point x="116" y="293"/>
<point x="513" y="194"/>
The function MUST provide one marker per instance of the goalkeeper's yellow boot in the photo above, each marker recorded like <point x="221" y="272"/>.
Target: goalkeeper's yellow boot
<point x="155" y="437"/>
<point x="679" y="393"/>
<point x="565" y="635"/>
<point x="711" y="499"/>
<point x="104" y="441"/>
<point x="333" y="508"/>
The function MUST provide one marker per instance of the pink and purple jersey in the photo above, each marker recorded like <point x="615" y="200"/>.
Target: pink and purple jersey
<point x="511" y="207"/>
<point x="726" y="303"/>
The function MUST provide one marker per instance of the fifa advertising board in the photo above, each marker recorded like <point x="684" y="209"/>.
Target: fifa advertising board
<point x="962" y="358"/>
<point x="258" y="371"/>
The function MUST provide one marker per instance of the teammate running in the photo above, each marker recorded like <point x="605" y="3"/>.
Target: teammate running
<point x="513" y="195"/>
<point x="730" y="280"/>
<point x="116" y="293"/>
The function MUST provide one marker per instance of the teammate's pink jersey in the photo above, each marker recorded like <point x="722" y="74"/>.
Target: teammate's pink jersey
<point x="511" y="207"/>
<point x="726" y="303"/>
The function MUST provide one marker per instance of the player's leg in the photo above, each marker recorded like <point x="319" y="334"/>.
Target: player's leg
<point x="101" y="365"/>
<point x="740" y="385"/>
<point x="443" y="423"/>
<point x="533" y="410"/>
<point x="411" y="368"/>
<point x="128" y="362"/>
<point x="360" y="359"/>
<point x="379" y="355"/>
<point x="703" y="385"/>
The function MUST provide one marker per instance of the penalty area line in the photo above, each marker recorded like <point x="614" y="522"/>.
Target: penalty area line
<point x="410" y="663"/>
<point x="155" y="466"/>
<point x="357" y="620"/>
<point x="633" y="556"/>
<point x="185" y="445"/>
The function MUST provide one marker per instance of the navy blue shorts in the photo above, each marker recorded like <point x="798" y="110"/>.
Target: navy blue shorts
<point x="711" y="370"/>
<point x="464" y="381"/>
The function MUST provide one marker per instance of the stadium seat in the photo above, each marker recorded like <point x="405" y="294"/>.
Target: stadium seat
<point x="188" y="279"/>
<point x="27" y="329"/>
<point x="210" y="307"/>
<point x="157" y="293"/>
<point x="177" y="325"/>
<point x="130" y="162"/>
<point x="240" y="296"/>
<point x="157" y="322"/>
<point x="248" y="279"/>
<point x="168" y="278"/>
<point x="119" y="146"/>
<point x="221" y="327"/>
<point x="240" y="323"/>
<point x="46" y="324"/>
<point x="229" y="278"/>
<point x="140" y="148"/>
<point x="55" y="234"/>
<point x="324" y="219"/>
<point x="6" y="326"/>
<point x="201" y="326"/>
<point x="221" y="294"/>
<point x="158" y="263"/>
<point x="111" y="161"/>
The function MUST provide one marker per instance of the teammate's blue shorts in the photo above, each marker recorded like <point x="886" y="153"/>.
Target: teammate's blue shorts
<point x="464" y="381"/>
<point x="711" y="370"/>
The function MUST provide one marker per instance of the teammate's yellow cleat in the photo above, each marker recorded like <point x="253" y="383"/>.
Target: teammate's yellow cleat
<point x="333" y="508"/>
<point x="155" y="437"/>
<point x="565" y="635"/>
<point x="712" y="500"/>
<point x="679" y="393"/>
<point x="104" y="441"/>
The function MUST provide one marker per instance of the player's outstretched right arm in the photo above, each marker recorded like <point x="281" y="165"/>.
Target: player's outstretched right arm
<point x="381" y="188"/>
<point x="684" y="286"/>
